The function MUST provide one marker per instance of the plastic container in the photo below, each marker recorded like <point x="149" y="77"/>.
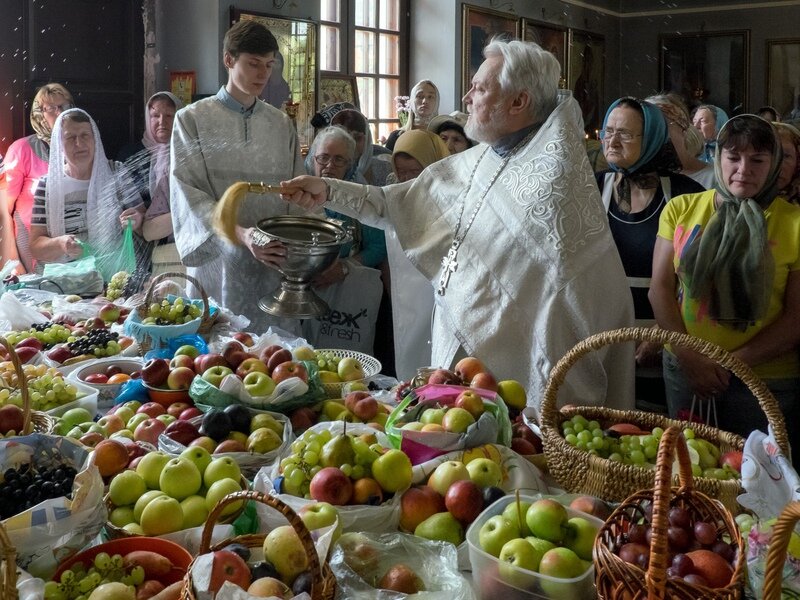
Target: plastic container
<point x="87" y="400"/>
<point x="493" y="579"/>
<point x="106" y="392"/>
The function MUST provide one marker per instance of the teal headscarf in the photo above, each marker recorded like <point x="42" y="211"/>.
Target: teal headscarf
<point x="730" y="264"/>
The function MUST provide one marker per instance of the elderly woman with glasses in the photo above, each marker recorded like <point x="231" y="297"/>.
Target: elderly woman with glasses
<point x="25" y="162"/>
<point x="726" y="269"/>
<point x="640" y="182"/>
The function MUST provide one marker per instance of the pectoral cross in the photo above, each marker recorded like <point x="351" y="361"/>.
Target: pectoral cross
<point x="449" y="266"/>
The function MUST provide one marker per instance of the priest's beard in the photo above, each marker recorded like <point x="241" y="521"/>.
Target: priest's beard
<point x="485" y="129"/>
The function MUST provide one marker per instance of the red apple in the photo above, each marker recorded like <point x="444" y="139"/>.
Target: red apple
<point x="182" y="360"/>
<point x="26" y="353"/>
<point x="250" y="365"/>
<point x="468" y="367"/>
<point x="523" y="446"/>
<point x="205" y="361"/>
<point x="12" y="418"/>
<point x="269" y="351"/>
<point x="302" y="418"/>
<point x="470" y="401"/>
<point x="134" y="449"/>
<point x="91" y="439"/>
<point x="444" y="376"/>
<point x="152" y="409"/>
<point x="30" y="342"/>
<point x="521" y="430"/>
<point x="96" y="378"/>
<point x="59" y="353"/>
<point x="230" y="446"/>
<point x="96" y="323"/>
<point x="244" y="338"/>
<point x="417" y="504"/>
<point x="148" y="431"/>
<point x="289" y="369"/>
<point x="109" y="313"/>
<point x="204" y="442"/>
<point x="180" y="378"/>
<point x="176" y="408"/>
<point x="112" y="370"/>
<point x="591" y="506"/>
<point x="155" y="372"/>
<point x="464" y="500"/>
<point x="182" y="432"/>
<point x="484" y="381"/>
<point x="190" y="413"/>
<point x="228" y="566"/>
<point x="733" y="459"/>
<point x="234" y="353"/>
<point x="331" y="485"/>
<point x="279" y="357"/>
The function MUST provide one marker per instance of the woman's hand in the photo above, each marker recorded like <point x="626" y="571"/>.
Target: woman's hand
<point x="706" y="377"/>
<point x="648" y="354"/>
<point x="131" y="214"/>
<point x="305" y="191"/>
<point x="70" y="245"/>
<point x="272" y="254"/>
<point x="333" y="274"/>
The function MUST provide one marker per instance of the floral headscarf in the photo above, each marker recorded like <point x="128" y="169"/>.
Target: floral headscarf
<point x="46" y="92"/>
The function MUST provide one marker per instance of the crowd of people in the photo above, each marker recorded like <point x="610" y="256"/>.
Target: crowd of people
<point x="492" y="234"/>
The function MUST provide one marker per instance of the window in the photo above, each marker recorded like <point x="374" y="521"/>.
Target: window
<point x="368" y="39"/>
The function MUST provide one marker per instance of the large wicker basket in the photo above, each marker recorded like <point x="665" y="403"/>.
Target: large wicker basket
<point x="8" y="568"/>
<point x="617" y="579"/>
<point x="580" y="472"/>
<point x="34" y="420"/>
<point x="323" y="583"/>
<point x="776" y="556"/>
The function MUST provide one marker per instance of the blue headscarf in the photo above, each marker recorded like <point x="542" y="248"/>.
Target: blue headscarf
<point x="720" y="118"/>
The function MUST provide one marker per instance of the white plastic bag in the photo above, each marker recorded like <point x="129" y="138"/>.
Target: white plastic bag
<point x="17" y="314"/>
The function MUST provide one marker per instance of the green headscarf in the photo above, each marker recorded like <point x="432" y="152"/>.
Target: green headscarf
<point x="730" y="264"/>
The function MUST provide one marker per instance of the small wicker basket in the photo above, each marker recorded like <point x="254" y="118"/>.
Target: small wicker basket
<point x="617" y="579"/>
<point x="372" y="366"/>
<point x="776" y="556"/>
<point x="580" y="472"/>
<point x="8" y="569"/>
<point x="323" y="583"/>
<point x="34" y="420"/>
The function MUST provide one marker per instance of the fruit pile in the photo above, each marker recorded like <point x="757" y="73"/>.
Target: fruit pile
<point x="699" y="553"/>
<point x="628" y="444"/>
<point x="46" y="386"/>
<point x="455" y="418"/>
<point x="336" y="369"/>
<point x="177" y="312"/>
<point x="48" y="334"/>
<point x="116" y="286"/>
<point x="357" y="407"/>
<point x="25" y="486"/>
<point x="99" y="342"/>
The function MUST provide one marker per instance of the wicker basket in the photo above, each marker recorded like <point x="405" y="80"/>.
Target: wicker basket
<point x="580" y="472"/>
<point x="323" y="583"/>
<point x="372" y="366"/>
<point x="617" y="579"/>
<point x="206" y="319"/>
<point x="776" y="556"/>
<point x="34" y="420"/>
<point x="8" y="569"/>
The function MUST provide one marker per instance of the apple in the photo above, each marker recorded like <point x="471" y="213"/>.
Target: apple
<point x="58" y="353"/>
<point x="12" y="418"/>
<point x="547" y="519"/>
<point x="218" y="490"/>
<point x="155" y="372"/>
<point x="417" y="504"/>
<point x="182" y="360"/>
<point x="468" y="367"/>
<point x="258" y="383"/>
<point x="392" y="470"/>
<point x="96" y="378"/>
<point x="561" y="563"/>
<point x="214" y="375"/>
<point x="302" y="418"/>
<point x="234" y="354"/>
<point x="198" y="456"/>
<point x="180" y="378"/>
<point x="732" y="459"/>
<point x="161" y="515"/>
<point x="151" y="409"/>
<point x="512" y="393"/>
<point x="150" y="467"/>
<point x="464" y="500"/>
<point x="580" y="537"/>
<point x="362" y="404"/>
<point x="331" y="485"/>
<point x="521" y="430"/>
<point x="319" y="515"/>
<point x="260" y="420"/>
<point x="205" y="442"/>
<point x="228" y="566"/>
<point x="519" y="553"/>
<point x="515" y="512"/>
<point x="182" y="432"/>
<point x="432" y="416"/>
<point x="223" y="467"/>
<point x="180" y="478"/>
<point x="367" y="491"/>
<point x="230" y="445"/>
<point x="494" y="534"/>
<point x="591" y="506"/>
<point x="457" y="420"/>
<point x="25" y="355"/>
<point x="137" y="420"/>
<point x="143" y="501"/>
<point x="289" y="369"/>
<point x="522" y="446"/>
<point x="195" y="513"/>
<point x="349" y="369"/>
<point x="166" y="419"/>
<point x="283" y="548"/>
<point x="113" y="370"/>
<point x="278" y="357"/>
<point x="187" y="350"/>
<point x="111" y="423"/>
<point x="484" y="472"/>
<point x="470" y="401"/>
<point x="121" y="516"/>
<point x="444" y="376"/>
<point x="484" y="381"/>
<point x="148" y="431"/>
<point x="30" y="342"/>
<point x="251" y="365"/>
<point x="244" y="338"/>
<point x="447" y="473"/>
<point x="189" y="413"/>
<point x="123" y="412"/>
<point x="91" y="439"/>
<point x="205" y="361"/>
<point x="304" y="353"/>
<point x="126" y="488"/>
<point x="176" y="408"/>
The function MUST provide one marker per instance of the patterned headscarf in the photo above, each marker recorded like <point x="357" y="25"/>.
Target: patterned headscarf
<point x="730" y="264"/>
<point x="45" y="93"/>
<point x="159" y="153"/>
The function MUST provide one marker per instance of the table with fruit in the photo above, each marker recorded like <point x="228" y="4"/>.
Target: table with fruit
<point x="166" y="464"/>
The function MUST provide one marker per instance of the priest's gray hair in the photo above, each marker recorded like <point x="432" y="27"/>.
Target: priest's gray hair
<point x="335" y="132"/>
<point x="528" y="67"/>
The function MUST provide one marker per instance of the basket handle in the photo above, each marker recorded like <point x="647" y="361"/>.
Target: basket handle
<point x="142" y="308"/>
<point x="672" y="442"/>
<point x="27" y="424"/>
<point x="710" y="350"/>
<point x="776" y="555"/>
<point x="317" y="583"/>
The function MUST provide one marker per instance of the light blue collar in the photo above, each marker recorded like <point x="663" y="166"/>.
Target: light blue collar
<point x="232" y="104"/>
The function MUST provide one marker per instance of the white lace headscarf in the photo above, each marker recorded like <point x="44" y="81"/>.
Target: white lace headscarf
<point x="103" y="204"/>
<point x="159" y="153"/>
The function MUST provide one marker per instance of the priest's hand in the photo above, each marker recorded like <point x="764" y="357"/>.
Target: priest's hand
<point x="272" y="253"/>
<point x="705" y="376"/>
<point x="306" y="191"/>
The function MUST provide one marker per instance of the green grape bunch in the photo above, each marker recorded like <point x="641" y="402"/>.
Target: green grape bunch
<point x="171" y="313"/>
<point x="327" y="361"/>
<point x="117" y="285"/>
<point x="78" y="582"/>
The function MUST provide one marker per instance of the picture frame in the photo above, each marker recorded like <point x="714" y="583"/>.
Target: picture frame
<point x="551" y="37"/>
<point x="783" y="77"/>
<point x="586" y="77"/>
<point x="707" y="68"/>
<point x="184" y="85"/>
<point x="334" y="87"/>
<point x="294" y="77"/>
<point x="479" y="25"/>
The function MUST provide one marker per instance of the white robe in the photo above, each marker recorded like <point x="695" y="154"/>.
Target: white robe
<point x="212" y="148"/>
<point x="538" y="270"/>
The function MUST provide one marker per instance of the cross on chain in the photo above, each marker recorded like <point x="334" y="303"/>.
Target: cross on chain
<point x="449" y="265"/>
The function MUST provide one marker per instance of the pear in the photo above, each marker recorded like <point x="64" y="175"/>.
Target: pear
<point x="337" y="452"/>
<point x="443" y="527"/>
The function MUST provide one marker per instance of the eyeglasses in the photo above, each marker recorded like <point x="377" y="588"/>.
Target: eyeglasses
<point x="53" y="109"/>
<point x="337" y="161"/>
<point x="624" y="136"/>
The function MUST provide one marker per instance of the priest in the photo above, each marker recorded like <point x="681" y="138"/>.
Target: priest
<point x="511" y="234"/>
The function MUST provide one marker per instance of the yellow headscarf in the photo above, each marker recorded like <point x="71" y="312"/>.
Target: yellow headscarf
<point x="421" y="144"/>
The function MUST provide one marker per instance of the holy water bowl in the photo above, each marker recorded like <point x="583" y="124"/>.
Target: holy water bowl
<point x="312" y="245"/>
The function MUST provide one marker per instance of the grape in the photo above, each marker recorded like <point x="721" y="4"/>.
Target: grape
<point x="682" y="565"/>
<point x="296" y="477"/>
<point x="678" y="517"/>
<point x="705" y="533"/>
<point x="679" y="538"/>
<point x="637" y="457"/>
<point x="725" y="550"/>
<point x="310" y="458"/>
<point x="137" y="575"/>
<point x="638" y="533"/>
<point x="347" y="469"/>
<point x="571" y="439"/>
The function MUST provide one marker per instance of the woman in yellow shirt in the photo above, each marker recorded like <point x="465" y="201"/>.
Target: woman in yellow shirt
<point x="726" y="268"/>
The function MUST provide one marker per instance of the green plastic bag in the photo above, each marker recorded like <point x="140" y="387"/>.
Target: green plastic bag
<point x="123" y="259"/>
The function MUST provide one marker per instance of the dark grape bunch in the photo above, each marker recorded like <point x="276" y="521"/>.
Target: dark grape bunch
<point x="100" y="342"/>
<point x="25" y="487"/>
<point x="49" y="334"/>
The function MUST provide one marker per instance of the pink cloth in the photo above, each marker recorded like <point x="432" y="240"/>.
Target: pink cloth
<point x="23" y="168"/>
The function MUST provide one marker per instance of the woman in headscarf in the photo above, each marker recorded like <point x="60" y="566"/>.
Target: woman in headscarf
<point x="789" y="177"/>
<point x="83" y="199"/>
<point x="641" y="180"/>
<point x="451" y="129"/>
<point x="709" y="119"/>
<point x="423" y="106"/>
<point x="26" y="161"/>
<point x="369" y="167"/>
<point x="411" y="292"/>
<point x="727" y="269"/>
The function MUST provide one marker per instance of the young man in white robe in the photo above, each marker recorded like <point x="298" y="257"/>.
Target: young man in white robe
<point x="512" y="235"/>
<point x="216" y="142"/>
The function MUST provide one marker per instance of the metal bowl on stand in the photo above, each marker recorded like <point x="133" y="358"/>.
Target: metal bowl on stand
<point x="312" y="245"/>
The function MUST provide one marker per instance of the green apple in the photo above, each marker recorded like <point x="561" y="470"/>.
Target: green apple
<point x="121" y="516"/>
<point x="218" y="490"/>
<point x="74" y="417"/>
<point x="283" y="548"/>
<point x="195" y="512"/>
<point x="520" y="554"/>
<point x="560" y="563"/>
<point x="263" y="440"/>
<point x="319" y="515"/>
<point x="457" y="420"/>
<point x="143" y="501"/>
<point x="223" y="467"/>
<point x="136" y="420"/>
<point x="150" y="467"/>
<point x="97" y="428"/>
<point x="432" y="415"/>
<point x="304" y="353"/>
<point x="162" y="515"/>
<point x="75" y="433"/>
<point x="516" y="514"/>
<point x="125" y="413"/>
<point x="134" y="529"/>
<point x="447" y="473"/>
<point x="413" y="426"/>
<point x="494" y="534"/>
<point x="113" y="589"/>
<point x="541" y="545"/>
<point x="126" y="488"/>
<point x="166" y="419"/>
<point x="484" y="472"/>
<point x="258" y="384"/>
<point x="392" y="471"/>
<point x="122" y="433"/>
<point x="214" y="375"/>
<point x="260" y="420"/>
<point x="197" y="455"/>
<point x="134" y="405"/>
<point x="349" y="369"/>
<point x="443" y="527"/>
<point x="580" y="537"/>
<point x="512" y="393"/>
<point x="180" y="479"/>
<point x="188" y="350"/>
<point x="547" y="519"/>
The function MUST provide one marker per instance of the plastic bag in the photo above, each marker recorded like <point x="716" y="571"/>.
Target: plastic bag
<point x="122" y="259"/>
<point x="758" y="542"/>
<point x="17" y="314"/>
<point x="433" y="562"/>
<point x="79" y="276"/>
